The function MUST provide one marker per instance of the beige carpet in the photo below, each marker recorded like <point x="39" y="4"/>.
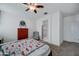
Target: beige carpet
<point x="66" y="49"/>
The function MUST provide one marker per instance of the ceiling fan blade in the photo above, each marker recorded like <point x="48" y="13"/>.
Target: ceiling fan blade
<point x="39" y="6"/>
<point x="25" y="3"/>
<point x="27" y="9"/>
<point x="35" y="11"/>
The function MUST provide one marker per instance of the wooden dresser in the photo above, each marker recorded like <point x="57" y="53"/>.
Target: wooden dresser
<point x="22" y="33"/>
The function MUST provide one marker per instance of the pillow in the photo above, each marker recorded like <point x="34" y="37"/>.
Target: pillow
<point x="2" y="52"/>
<point x="5" y="50"/>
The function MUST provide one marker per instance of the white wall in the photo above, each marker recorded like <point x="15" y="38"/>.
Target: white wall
<point x="9" y="22"/>
<point x="55" y="30"/>
<point x="61" y="18"/>
<point x="71" y="28"/>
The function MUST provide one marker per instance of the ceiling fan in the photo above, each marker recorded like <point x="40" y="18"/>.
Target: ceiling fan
<point x="33" y="6"/>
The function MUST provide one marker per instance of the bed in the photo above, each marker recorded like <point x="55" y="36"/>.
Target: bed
<point x="44" y="51"/>
<point x="28" y="47"/>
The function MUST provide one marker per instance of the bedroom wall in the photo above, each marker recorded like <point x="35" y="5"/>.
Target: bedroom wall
<point x="9" y="22"/>
<point x="71" y="28"/>
<point x="55" y="30"/>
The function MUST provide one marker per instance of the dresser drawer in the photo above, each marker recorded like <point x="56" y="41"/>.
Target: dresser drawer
<point x="22" y="33"/>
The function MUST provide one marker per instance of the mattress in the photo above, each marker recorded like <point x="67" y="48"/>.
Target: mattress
<point x="42" y="51"/>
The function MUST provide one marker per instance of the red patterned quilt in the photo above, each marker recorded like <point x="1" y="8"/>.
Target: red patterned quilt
<point x="21" y="48"/>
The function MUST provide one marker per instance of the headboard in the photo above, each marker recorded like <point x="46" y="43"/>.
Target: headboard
<point x="22" y="33"/>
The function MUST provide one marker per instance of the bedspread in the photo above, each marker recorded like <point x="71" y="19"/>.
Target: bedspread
<point x="21" y="48"/>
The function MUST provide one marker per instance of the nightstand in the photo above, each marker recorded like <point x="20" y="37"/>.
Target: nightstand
<point x="1" y="40"/>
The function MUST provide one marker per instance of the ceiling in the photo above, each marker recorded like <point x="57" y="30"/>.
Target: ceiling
<point x="67" y="9"/>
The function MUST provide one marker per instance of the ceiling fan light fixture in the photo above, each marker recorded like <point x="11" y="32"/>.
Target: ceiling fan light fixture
<point x="33" y="7"/>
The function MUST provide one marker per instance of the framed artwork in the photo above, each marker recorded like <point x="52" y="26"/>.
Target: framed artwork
<point x="22" y="23"/>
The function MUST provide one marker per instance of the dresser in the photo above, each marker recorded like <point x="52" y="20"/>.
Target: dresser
<point x="22" y="33"/>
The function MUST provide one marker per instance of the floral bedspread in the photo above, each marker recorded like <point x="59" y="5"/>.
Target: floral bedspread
<point x="21" y="48"/>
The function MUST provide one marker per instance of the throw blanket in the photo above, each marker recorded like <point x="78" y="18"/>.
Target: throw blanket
<point x="21" y="48"/>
